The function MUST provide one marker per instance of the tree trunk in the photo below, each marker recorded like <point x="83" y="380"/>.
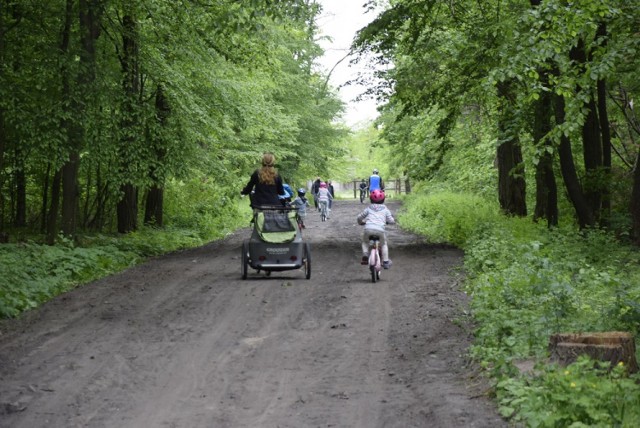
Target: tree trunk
<point x="615" y="347"/>
<point x="128" y="207"/>
<point x="153" y="207"/>
<point x="45" y="199"/>
<point x="635" y="202"/>
<point x="70" y="193"/>
<point x="511" y="183"/>
<point x="3" y="130"/>
<point x="569" y="173"/>
<point x="155" y="195"/>
<point x="52" y="217"/>
<point x="127" y="210"/>
<point x="591" y="141"/>
<point x="20" y="219"/>
<point x="546" y="187"/>
<point x="606" y="139"/>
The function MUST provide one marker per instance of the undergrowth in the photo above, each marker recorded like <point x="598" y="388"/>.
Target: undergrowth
<point x="32" y="273"/>
<point x="527" y="282"/>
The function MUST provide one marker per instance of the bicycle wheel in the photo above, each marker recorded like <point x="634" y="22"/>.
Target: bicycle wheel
<point x="244" y="259"/>
<point x="307" y="261"/>
<point x="361" y="197"/>
<point x="373" y="254"/>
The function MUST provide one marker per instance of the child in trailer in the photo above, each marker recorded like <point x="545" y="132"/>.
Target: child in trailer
<point x="375" y="218"/>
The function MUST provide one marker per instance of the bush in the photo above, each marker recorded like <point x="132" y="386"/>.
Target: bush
<point x="449" y="217"/>
<point x="527" y="282"/>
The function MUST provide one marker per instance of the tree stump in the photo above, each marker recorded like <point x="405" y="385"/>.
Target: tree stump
<point x="613" y="346"/>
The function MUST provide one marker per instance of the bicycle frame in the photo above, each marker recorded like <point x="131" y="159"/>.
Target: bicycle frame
<point x="375" y="257"/>
<point x="324" y="210"/>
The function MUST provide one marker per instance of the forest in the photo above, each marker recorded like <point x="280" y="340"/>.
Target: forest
<point x="127" y="129"/>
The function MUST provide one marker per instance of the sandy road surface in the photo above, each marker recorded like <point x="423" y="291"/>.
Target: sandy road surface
<point x="182" y="341"/>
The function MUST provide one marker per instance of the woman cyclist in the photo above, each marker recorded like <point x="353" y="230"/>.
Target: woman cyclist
<point x="265" y="183"/>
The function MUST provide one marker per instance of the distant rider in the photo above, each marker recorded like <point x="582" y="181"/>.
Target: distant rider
<point x="332" y="191"/>
<point x="375" y="182"/>
<point x="301" y="203"/>
<point x="324" y="197"/>
<point x="314" y="191"/>
<point x="363" y="186"/>
<point x="375" y="217"/>
<point x="288" y="193"/>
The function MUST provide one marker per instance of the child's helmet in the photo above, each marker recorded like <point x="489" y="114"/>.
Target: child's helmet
<point x="323" y="184"/>
<point x="301" y="192"/>
<point x="376" y="196"/>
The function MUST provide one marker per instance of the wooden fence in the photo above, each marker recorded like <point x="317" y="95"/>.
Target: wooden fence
<point x="396" y="185"/>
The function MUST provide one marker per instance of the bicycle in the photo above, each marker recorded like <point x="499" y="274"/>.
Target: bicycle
<point x="375" y="257"/>
<point x="363" y="193"/>
<point x="324" y="215"/>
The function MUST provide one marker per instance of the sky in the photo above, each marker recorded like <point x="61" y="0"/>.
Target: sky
<point x="340" y="20"/>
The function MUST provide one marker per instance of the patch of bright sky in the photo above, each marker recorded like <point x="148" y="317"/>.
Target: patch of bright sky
<point x="340" y="20"/>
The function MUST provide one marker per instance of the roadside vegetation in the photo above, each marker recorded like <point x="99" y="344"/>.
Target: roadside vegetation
<point x="527" y="282"/>
<point x="514" y="122"/>
<point x="127" y="129"/>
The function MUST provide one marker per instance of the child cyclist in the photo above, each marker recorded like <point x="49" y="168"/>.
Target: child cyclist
<point x="324" y="197"/>
<point x="375" y="217"/>
<point x="301" y="203"/>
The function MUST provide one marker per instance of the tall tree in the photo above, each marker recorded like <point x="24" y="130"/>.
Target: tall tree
<point x="128" y="203"/>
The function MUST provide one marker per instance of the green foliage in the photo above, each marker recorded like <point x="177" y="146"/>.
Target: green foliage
<point x="528" y="282"/>
<point x="203" y="206"/>
<point x="444" y="216"/>
<point x="365" y="152"/>
<point x="32" y="274"/>
<point x="236" y="80"/>
<point x="582" y="394"/>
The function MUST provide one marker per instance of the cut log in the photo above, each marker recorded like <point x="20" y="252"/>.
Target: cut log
<point x="612" y="346"/>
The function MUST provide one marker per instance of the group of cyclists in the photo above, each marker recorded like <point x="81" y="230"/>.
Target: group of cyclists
<point x="267" y="189"/>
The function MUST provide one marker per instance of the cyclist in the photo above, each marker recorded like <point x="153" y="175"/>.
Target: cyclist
<point x="288" y="193"/>
<point x="301" y="203"/>
<point x="375" y="217"/>
<point x="363" y="189"/>
<point x="265" y="183"/>
<point x="314" y="190"/>
<point x="375" y="182"/>
<point x="332" y="192"/>
<point x="324" y="197"/>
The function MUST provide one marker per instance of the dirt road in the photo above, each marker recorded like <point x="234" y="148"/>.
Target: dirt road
<point x="183" y="341"/>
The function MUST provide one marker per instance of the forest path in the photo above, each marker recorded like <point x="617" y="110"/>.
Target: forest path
<point x="183" y="341"/>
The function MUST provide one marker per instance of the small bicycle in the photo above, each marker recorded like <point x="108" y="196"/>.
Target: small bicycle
<point x="375" y="257"/>
<point x="323" y="211"/>
<point x="363" y="193"/>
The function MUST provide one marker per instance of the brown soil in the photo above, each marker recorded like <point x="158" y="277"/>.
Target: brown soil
<point x="183" y="341"/>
